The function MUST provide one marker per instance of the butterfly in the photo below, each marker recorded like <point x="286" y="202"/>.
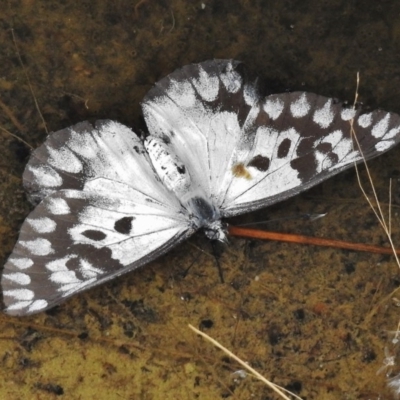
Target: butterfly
<point x="109" y="202"/>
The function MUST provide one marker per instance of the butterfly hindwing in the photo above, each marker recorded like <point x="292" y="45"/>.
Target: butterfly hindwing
<point x="305" y="139"/>
<point x="74" y="240"/>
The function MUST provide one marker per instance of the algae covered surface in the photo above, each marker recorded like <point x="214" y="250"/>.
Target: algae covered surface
<point x="313" y="320"/>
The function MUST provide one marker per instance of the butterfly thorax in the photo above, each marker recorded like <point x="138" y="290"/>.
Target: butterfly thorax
<point x="176" y="178"/>
<point x="206" y="216"/>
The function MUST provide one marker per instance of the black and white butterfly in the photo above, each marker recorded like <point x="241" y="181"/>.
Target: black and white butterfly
<point x="110" y="202"/>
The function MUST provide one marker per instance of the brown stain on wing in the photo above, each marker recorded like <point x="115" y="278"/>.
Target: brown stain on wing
<point x="240" y="171"/>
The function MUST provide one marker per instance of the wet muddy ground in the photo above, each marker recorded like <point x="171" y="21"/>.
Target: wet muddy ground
<point x="313" y="320"/>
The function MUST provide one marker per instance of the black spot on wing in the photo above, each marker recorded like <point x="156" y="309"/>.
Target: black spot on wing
<point x="284" y="147"/>
<point x="305" y="166"/>
<point x="324" y="148"/>
<point x="124" y="225"/>
<point x="259" y="162"/>
<point x="331" y="159"/>
<point x="98" y="257"/>
<point x="305" y="147"/>
<point x="94" y="235"/>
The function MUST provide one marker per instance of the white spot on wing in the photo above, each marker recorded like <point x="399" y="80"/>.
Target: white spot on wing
<point x="182" y="93"/>
<point x="42" y="225"/>
<point x="64" y="277"/>
<point x="347" y="114"/>
<point x="250" y="95"/>
<point x="19" y="305"/>
<point x="18" y="277"/>
<point x="20" y="294"/>
<point x="38" y="247"/>
<point x="381" y="127"/>
<point x="392" y="133"/>
<point x="322" y="161"/>
<point x="21" y="263"/>
<point x="57" y="206"/>
<point x="64" y="160"/>
<point x="46" y="176"/>
<point x="206" y="85"/>
<point x="38" y="305"/>
<point x="384" y="145"/>
<point x="365" y="120"/>
<point x="324" y="116"/>
<point x="88" y="270"/>
<point x="333" y="138"/>
<point x="82" y="144"/>
<point x="231" y="79"/>
<point x="273" y="108"/>
<point x="300" y="107"/>
<point x="58" y="264"/>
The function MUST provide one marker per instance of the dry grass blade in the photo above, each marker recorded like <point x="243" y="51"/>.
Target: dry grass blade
<point x="278" y="389"/>
<point x="29" y="82"/>
<point x="11" y="116"/>
<point x="16" y="137"/>
<point x="376" y="208"/>
<point x="389" y="361"/>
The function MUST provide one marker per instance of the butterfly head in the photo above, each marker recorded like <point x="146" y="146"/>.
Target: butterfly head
<point x="217" y="230"/>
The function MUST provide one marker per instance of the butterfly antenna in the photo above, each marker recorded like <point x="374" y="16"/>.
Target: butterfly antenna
<point x="185" y="272"/>
<point x="216" y="249"/>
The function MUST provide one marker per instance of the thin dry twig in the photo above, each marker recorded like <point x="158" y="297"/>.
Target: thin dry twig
<point x="390" y="207"/>
<point x="138" y="5"/>
<point x="29" y="82"/>
<point x="377" y="208"/>
<point x="16" y="137"/>
<point x="276" y="388"/>
<point x="173" y="22"/>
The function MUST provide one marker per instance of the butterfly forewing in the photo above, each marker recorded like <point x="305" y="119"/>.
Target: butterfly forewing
<point x="200" y="111"/>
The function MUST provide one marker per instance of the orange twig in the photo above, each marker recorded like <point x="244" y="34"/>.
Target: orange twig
<point x="287" y="237"/>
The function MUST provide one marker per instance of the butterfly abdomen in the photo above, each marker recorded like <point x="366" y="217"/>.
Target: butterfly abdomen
<point x="169" y="168"/>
